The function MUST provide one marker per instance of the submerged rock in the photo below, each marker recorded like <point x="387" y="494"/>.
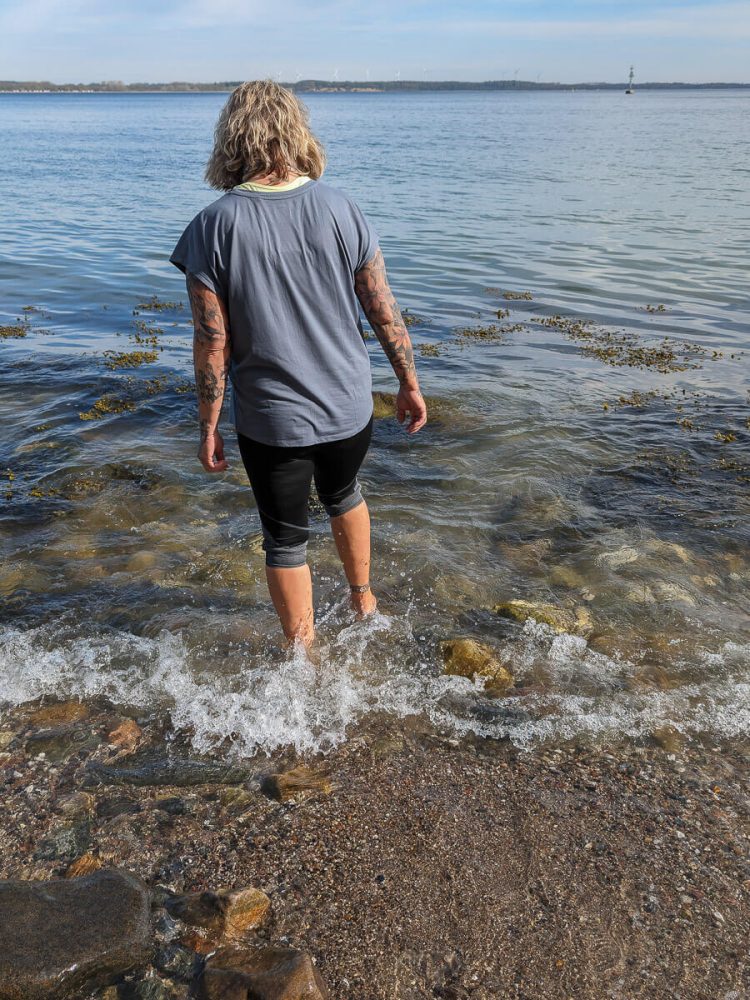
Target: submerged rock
<point x="61" y="936"/>
<point x="575" y="622"/>
<point x="263" y="974"/>
<point x="217" y="919"/>
<point x="299" y="781"/>
<point x="181" y="771"/>
<point x="469" y="658"/>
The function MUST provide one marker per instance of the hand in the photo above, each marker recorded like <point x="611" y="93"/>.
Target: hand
<point x="211" y="453"/>
<point x="410" y="401"/>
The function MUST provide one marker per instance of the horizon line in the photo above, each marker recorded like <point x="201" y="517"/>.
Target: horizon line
<point x="393" y="84"/>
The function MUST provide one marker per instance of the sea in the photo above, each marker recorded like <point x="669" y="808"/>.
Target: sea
<point x="574" y="269"/>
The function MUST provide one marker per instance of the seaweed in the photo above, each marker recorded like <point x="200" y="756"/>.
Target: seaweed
<point x="106" y="405"/>
<point x="14" y="330"/>
<point x="129" y="359"/>
<point x="155" y="304"/>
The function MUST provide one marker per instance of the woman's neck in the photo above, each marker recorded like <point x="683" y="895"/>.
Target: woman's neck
<point x="272" y="179"/>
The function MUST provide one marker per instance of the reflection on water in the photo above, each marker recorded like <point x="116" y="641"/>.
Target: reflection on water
<point x="592" y="468"/>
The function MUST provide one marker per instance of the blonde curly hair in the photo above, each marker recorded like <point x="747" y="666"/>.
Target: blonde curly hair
<point x="263" y="128"/>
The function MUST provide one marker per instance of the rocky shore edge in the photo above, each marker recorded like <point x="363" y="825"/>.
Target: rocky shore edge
<point x="404" y="864"/>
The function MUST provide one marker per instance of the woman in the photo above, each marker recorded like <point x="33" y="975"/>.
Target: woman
<point x="275" y="269"/>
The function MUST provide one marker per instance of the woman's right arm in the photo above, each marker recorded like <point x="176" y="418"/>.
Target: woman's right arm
<point x="384" y="316"/>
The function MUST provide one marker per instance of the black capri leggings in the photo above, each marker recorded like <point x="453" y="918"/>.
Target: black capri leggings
<point x="280" y="478"/>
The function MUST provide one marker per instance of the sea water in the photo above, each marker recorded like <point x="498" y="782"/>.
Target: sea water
<point x="588" y="450"/>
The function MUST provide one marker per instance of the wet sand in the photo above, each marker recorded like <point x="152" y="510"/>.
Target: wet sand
<point x="421" y="866"/>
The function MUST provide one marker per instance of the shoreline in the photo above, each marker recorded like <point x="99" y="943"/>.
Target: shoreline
<point x="408" y="864"/>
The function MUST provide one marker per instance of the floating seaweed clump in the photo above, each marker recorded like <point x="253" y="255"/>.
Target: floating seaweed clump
<point x="429" y="350"/>
<point x="107" y="405"/>
<point x="726" y="437"/>
<point x="492" y="333"/>
<point x="129" y="359"/>
<point x="637" y="399"/>
<point x="659" y="308"/>
<point x="526" y="296"/>
<point x="411" y="319"/>
<point x="14" y="330"/>
<point x="155" y="304"/>
<point x="625" y="350"/>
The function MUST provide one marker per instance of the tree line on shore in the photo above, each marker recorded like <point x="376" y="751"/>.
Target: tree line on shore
<point x="344" y="86"/>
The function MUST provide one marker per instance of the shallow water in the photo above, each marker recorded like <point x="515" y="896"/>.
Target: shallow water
<point x="563" y="465"/>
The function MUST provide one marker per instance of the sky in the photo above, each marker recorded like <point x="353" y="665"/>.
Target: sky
<point x="82" y="41"/>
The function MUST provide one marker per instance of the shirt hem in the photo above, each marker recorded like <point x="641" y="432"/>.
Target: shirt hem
<point x="327" y="439"/>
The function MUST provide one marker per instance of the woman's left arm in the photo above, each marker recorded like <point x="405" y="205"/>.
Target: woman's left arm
<point x="211" y="352"/>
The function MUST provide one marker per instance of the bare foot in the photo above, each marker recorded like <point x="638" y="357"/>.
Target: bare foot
<point x="363" y="604"/>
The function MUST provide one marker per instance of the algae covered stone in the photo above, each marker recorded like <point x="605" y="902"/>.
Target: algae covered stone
<point x="469" y="658"/>
<point x="575" y="622"/>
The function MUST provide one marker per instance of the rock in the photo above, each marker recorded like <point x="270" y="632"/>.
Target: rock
<point x="228" y="914"/>
<point x="64" y="843"/>
<point x="236" y="799"/>
<point x="76" y="804"/>
<point x="117" y="806"/>
<point x="468" y="658"/>
<point x="568" y="577"/>
<point x="126" y="736"/>
<point x="61" y="742"/>
<point x="60" y="936"/>
<point x="617" y="557"/>
<point x="177" y="961"/>
<point x="669" y="738"/>
<point x="300" y="780"/>
<point x="263" y="974"/>
<point x="6" y="738"/>
<point x="577" y="622"/>
<point x="59" y="713"/>
<point x="84" y="865"/>
<point x="168" y="771"/>
<point x="673" y="592"/>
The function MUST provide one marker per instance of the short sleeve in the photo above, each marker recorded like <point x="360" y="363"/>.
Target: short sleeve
<point x="367" y="238"/>
<point x="198" y="251"/>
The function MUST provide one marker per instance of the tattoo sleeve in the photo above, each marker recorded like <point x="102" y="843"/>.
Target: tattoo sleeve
<point x="384" y="316"/>
<point x="211" y="352"/>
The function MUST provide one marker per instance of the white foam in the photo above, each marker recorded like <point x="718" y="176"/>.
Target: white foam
<point x="246" y="702"/>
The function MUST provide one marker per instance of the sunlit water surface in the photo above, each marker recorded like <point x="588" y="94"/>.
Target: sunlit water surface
<point x="558" y="467"/>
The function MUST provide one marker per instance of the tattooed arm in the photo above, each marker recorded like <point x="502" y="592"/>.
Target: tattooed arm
<point x="211" y="350"/>
<point x="384" y="316"/>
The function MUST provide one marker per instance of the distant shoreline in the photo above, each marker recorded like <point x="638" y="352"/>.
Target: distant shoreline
<point x="342" y="87"/>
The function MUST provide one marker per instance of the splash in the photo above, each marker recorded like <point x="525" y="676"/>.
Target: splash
<point x="246" y="701"/>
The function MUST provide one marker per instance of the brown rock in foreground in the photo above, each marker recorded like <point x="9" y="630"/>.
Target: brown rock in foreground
<point x="225" y="916"/>
<point x="58" y="936"/>
<point x="263" y="974"/>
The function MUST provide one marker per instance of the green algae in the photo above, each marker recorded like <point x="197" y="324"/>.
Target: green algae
<point x="429" y="350"/>
<point x="659" y="308"/>
<point x="129" y="359"/>
<point x="517" y="296"/>
<point x="502" y="313"/>
<point x="726" y="437"/>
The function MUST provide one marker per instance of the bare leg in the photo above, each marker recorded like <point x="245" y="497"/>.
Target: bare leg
<point x="351" y="532"/>
<point x="291" y="593"/>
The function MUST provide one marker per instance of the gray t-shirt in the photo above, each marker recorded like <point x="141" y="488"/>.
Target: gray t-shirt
<point x="284" y="264"/>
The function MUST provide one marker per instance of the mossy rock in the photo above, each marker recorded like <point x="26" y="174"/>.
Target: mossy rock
<point x="575" y="622"/>
<point x="469" y="658"/>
